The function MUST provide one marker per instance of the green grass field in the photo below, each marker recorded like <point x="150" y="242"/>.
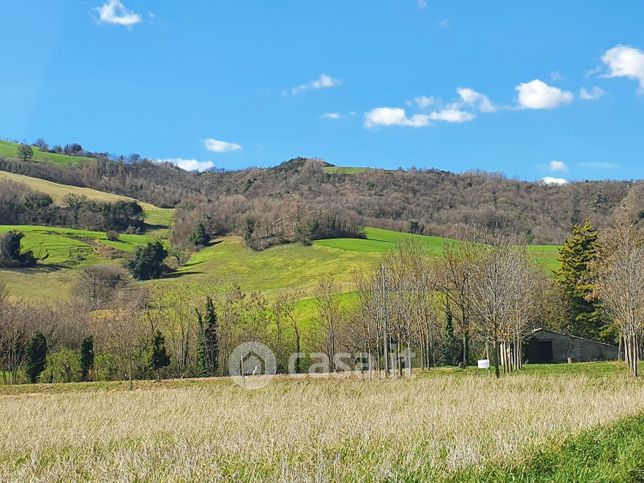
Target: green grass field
<point x="67" y="251"/>
<point x="9" y="150"/>
<point x="227" y="260"/>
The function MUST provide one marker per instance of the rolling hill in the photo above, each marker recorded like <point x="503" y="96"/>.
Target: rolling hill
<point x="154" y="216"/>
<point x="226" y="260"/>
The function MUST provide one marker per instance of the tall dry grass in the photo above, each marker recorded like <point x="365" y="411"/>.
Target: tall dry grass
<point x="301" y="429"/>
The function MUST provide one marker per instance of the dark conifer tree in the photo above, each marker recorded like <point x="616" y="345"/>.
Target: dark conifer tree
<point x="36" y="356"/>
<point x="87" y="357"/>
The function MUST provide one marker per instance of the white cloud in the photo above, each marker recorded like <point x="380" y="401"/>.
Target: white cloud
<point x="536" y="94"/>
<point x="217" y="146"/>
<point x="331" y="115"/>
<point x="322" y="82"/>
<point x="555" y="165"/>
<point x="393" y="116"/>
<point x="472" y="98"/>
<point x="592" y="165"/>
<point x="189" y="164"/>
<point x="444" y="22"/>
<point x="550" y="181"/>
<point x="115" y="13"/>
<point x="422" y="4"/>
<point x="625" y="61"/>
<point x="422" y="101"/>
<point x="451" y="114"/>
<point x="591" y="95"/>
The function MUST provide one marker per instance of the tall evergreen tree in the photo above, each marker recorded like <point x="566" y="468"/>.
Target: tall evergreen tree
<point x="157" y="356"/>
<point x="209" y="340"/>
<point x="584" y="315"/>
<point x="87" y="357"/>
<point x="199" y="237"/>
<point x="36" y="356"/>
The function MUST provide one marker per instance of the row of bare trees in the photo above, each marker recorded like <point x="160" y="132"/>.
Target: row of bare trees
<point x="490" y="291"/>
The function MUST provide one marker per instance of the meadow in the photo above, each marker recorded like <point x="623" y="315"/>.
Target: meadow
<point x="226" y="260"/>
<point x="9" y="150"/>
<point x="446" y="424"/>
<point x="67" y="250"/>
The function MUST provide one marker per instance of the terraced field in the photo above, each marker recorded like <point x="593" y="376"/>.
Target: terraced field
<point x="66" y="251"/>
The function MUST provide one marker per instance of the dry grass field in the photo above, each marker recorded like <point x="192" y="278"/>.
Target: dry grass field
<point x="433" y="426"/>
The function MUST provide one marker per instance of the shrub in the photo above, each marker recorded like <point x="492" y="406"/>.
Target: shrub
<point x="147" y="261"/>
<point x="63" y="365"/>
<point x="112" y="235"/>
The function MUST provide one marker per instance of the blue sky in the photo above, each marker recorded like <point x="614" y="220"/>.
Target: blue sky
<point x="455" y="85"/>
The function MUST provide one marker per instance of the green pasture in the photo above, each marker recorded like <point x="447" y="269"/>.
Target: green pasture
<point x="10" y="150"/>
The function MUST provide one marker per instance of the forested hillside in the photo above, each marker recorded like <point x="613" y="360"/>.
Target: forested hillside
<point x="277" y="202"/>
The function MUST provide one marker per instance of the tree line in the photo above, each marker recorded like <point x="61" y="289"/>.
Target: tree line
<point x="20" y="205"/>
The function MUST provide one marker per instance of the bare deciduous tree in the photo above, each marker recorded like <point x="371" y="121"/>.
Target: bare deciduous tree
<point x="620" y="275"/>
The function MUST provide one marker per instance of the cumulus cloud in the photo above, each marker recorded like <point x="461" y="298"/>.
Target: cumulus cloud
<point x="550" y="181"/>
<point x="115" y="13"/>
<point x="451" y="114"/>
<point x="393" y="116"/>
<point x="536" y="94"/>
<point x="591" y="95"/>
<point x="189" y="164"/>
<point x="625" y="61"/>
<point x="217" y="146"/>
<point x="560" y="166"/>
<point x="475" y="99"/>
<point x="322" y="82"/>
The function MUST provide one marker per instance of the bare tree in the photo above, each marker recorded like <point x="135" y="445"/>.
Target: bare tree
<point x="455" y="272"/>
<point x="620" y="274"/>
<point x="121" y="331"/>
<point x="330" y="315"/>
<point x="284" y="309"/>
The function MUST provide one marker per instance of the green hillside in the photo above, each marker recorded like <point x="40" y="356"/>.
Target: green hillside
<point x="226" y="260"/>
<point x="157" y="218"/>
<point x="9" y="150"/>
<point x="67" y="250"/>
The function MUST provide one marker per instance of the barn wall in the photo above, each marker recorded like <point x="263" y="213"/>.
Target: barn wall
<point x="581" y="350"/>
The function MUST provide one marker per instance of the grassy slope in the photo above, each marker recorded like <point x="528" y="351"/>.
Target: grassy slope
<point x="344" y="169"/>
<point x="379" y="240"/>
<point x="67" y="250"/>
<point x="9" y="150"/>
<point x="228" y="260"/>
<point x="153" y="214"/>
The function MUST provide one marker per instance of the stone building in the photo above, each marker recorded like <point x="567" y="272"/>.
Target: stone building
<point x="545" y="346"/>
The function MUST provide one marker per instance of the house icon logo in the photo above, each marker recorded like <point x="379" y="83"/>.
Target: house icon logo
<point x="252" y="365"/>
